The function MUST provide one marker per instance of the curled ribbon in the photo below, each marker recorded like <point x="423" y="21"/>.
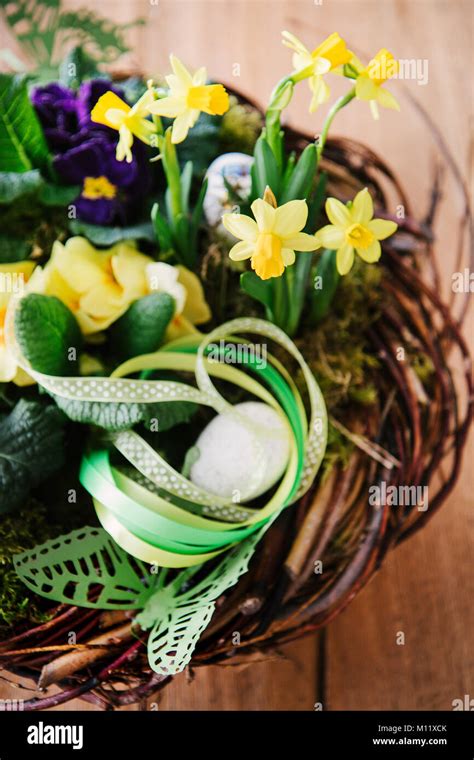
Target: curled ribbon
<point x="153" y="511"/>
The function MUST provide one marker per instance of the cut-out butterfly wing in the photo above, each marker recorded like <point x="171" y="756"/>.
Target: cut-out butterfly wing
<point x="85" y="568"/>
<point x="184" y="616"/>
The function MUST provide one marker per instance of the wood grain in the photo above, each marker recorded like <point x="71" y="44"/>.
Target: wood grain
<point x="426" y="587"/>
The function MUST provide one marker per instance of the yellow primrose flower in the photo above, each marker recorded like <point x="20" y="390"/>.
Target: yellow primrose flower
<point x="352" y="229"/>
<point x="328" y="56"/>
<point x="270" y="241"/>
<point x="13" y="278"/>
<point x="370" y="80"/>
<point x="128" y="121"/>
<point x="189" y="96"/>
<point x="187" y="291"/>
<point x="97" y="286"/>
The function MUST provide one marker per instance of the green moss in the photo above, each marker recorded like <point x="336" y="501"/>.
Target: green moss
<point x="240" y="127"/>
<point x="18" y="532"/>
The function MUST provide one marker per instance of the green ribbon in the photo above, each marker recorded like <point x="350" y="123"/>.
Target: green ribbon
<point x="158" y="515"/>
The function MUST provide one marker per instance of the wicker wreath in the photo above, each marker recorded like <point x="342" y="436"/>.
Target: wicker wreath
<point x="281" y="597"/>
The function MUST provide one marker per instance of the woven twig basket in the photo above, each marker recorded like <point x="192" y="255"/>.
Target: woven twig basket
<point x="281" y="598"/>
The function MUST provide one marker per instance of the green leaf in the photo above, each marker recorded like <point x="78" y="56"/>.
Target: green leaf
<point x="168" y="414"/>
<point x="42" y="29"/>
<point x="86" y="568"/>
<point x="99" y="235"/>
<point x="31" y="449"/>
<point x="117" y="416"/>
<point x="46" y="332"/>
<point x="13" y="249"/>
<point x="162" y="229"/>
<point x="77" y="66"/>
<point x="113" y="416"/>
<point x="15" y="184"/>
<point x="301" y="180"/>
<point x="260" y="290"/>
<point x="265" y="170"/>
<point x="321" y="298"/>
<point x="142" y="328"/>
<point x="58" y="195"/>
<point x="186" y="179"/>
<point x="22" y="142"/>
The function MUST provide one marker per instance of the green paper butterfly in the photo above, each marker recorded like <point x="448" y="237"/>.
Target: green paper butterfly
<point x="88" y="569"/>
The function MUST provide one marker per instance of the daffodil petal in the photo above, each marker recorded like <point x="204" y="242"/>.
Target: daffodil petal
<point x="362" y="207"/>
<point x="374" y="109"/>
<point x="338" y="214"/>
<point x="382" y="228"/>
<point x="301" y="242"/>
<point x="344" y="259"/>
<point x="365" y="88"/>
<point x="321" y="65"/>
<point x="294" y="43"/>
<point x="387" y="100"/>
<point x="370" y="254"/>
<point x="181" y="126"/>
<point x="288" y="256"/>
<point x="106" y="103"/>
<point x="290" y="218"/>
<point x="321" y="92"/>
<point x="241" y="251"/>
<point x="241" y="226"/>
<point x="124" y="145"/>
<point x="172" y="106"/>
<point x="181" y="71"/>
<point x="200" y="77"/>
<point x="330" y="237"/>
<point x="264" y="214"/>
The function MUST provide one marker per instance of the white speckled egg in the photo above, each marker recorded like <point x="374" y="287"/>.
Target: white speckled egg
<point x="227" y="452"/>
<point x="235" y="168"/>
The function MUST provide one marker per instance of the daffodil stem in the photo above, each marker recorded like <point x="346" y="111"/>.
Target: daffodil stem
<point x="172" y="172"/>
<point x="338" y="105"/>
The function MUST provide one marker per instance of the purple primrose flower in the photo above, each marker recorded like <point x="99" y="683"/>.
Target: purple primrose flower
<point x="84" y="153"/>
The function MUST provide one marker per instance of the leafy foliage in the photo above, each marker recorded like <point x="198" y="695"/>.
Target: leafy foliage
<point x="116" y="416"/>
<point x="142" y="328"/>
<point x="106" y="236"/>
<point x="13" y="249"/>
<point x="43" y="28"/>
<point x="15" y="184"/>
<point x="31" y="449"/>
<point x="48" y="334"/>
<point x="22" y="142"/>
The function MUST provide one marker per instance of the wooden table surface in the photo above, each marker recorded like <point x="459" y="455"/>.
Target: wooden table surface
<point x="426" y="587"/>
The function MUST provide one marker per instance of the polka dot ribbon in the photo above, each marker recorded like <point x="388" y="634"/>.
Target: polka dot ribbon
<point x="150" y="509"/>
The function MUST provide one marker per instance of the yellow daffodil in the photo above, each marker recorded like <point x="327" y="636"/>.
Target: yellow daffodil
<point x="189" y="96"/>
<point x="13" y="278"/>
<point x="270" y="241"/>
<point x="370" y="80"/>
<point x="186" y="289"/>
<point x="128" y="121"/>
<point x="328" y="56"/>
<point x="97" y="286"/>
<point x="352" y="229"/>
